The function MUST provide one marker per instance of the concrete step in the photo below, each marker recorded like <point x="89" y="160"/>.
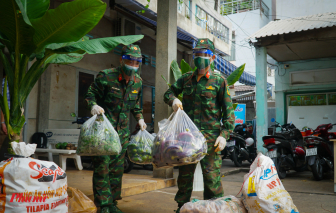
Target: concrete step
<point x="132" y="184"/>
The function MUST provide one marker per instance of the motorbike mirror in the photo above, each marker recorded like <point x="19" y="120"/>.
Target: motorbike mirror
<point x="273" y="120"/>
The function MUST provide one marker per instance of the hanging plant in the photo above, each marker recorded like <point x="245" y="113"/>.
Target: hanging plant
<point x="143" y="11"/>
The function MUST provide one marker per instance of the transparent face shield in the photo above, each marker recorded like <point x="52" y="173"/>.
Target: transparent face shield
<point x="130" y="64"/>
<point x="202" y="59"/>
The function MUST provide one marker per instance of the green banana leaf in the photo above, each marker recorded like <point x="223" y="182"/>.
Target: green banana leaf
<point x="17" y="122"/>
<point x="13" y="26"/>
<point x="174" y="68"/>
<point x="29" y="81"/>
<point x="55" y="46"/>
<point x="235" y="75"/>
<point x="94" y="46"/>
<point x="212" y="66"/>
<point x="8" y="69"/>
<point x="34" y="8"/>
<point x="22" y="11"/>
<point x="5" y="42"/>
<point x="35" y="71"/>
<point x="165" y="80"/>
<point x="185" y="67"/>
<point x="68" y="22"/>
<point x="65" y="50"/>
<point x="64" y="58"/>
<point x="105" y="45"/>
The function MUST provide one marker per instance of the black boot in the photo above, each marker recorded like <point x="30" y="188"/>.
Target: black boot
<point x="105" y="209"/>
<point x="114" y="208"/>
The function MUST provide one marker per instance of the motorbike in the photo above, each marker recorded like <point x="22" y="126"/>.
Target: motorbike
<point x="319" y="151"/>
<point x="286" y="149"/>
<point x="241" y="145"/>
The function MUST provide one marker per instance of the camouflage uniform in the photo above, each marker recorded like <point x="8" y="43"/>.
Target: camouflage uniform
<point x="206" y="102"/>
<point x="109" y="90"/>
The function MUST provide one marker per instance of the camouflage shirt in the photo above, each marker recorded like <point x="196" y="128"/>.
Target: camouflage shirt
<point x="206" y="102"/>
<point x="109" y="90"/>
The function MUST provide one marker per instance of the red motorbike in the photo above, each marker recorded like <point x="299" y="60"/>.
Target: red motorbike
<point x="319" y="151"/>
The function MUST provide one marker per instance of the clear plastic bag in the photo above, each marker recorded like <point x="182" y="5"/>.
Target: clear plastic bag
<point x="80" y="203"/>
<point x="179" y="142"/>
<point x="139" y="149"/>
<point x="98" y="137"/>
<point x="227" y="204"/>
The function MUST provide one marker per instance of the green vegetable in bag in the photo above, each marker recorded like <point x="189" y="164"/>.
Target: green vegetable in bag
<point x="98" y="137"/>
<point x="140" y="148"/>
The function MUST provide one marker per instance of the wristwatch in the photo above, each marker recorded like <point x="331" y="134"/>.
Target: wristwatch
<point x="3" y="122"/>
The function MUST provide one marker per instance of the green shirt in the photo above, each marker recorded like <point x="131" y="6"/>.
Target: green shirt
<point x="206" y="102"/>
<point x="109" y="90"/>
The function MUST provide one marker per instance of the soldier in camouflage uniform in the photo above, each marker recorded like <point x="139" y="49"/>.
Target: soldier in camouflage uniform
<point x="207" y="101"/>
<point x="116" y="92"/>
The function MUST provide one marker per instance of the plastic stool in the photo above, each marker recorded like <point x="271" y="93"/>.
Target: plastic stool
<point x="77" y="159"/>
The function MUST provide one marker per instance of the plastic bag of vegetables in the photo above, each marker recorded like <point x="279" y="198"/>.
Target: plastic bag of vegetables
<point x="98" y="137"/>
<point x="179" y="142"/>
<point x="227" y="204"/>
<point x="139" y="148"/>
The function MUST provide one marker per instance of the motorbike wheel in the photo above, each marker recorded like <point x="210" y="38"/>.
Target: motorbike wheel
<point x="236" y="160"/>
<point x="281" y="172"/>
<point x="128" y="165"/>
<point x="317" y="169"/>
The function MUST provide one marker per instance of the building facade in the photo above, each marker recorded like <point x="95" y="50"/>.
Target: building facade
<point x="62" y="88"/>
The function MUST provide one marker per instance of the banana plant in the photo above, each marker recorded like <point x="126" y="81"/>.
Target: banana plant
<point x="185" y="67"/>
<point x="31" y="32"/>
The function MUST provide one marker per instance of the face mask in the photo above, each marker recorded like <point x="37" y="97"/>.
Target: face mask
<point x="201" y="62"/>
<point x="128" y="70"/>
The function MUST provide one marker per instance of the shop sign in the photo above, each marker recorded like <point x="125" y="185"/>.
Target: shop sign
<point x="240" y="114"/>
<point x="62" y="135"/>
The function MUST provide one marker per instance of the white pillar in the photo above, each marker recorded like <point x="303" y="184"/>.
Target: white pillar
<point x="261" y="96"/>
<point x="166" y="48"/>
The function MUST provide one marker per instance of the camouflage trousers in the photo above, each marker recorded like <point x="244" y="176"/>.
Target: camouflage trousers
<point x="107" y="174"/>
<point x="211" y="165"/>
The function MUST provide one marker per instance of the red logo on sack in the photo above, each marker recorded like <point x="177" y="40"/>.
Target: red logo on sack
<point x="46" y="174"/>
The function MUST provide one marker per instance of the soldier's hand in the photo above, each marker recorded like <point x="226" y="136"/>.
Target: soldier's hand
<point x="220" y="143"/>
<point x="177" y="104"/>
<point x="142" y="124"/>
<point x="96" y="110"/>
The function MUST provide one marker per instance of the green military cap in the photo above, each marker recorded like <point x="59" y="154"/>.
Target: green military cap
<point x="205" y="43"/>
<point x="131" y="49"/>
